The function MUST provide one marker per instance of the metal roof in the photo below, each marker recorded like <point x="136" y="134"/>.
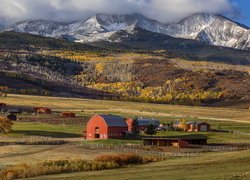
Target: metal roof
<point x="183" y="137"/>
<point x="114" y="121"/>
<point x="146" y="122"/>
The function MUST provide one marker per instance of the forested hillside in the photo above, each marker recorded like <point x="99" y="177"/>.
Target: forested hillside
<point x="46" y="66"/>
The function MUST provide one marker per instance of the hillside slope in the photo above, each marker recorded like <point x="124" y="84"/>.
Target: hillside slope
<point x="126" y="70"/>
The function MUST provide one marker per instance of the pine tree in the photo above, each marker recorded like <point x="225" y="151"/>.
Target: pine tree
<point x="150" y="130"/>
<point x="135" y="127"/>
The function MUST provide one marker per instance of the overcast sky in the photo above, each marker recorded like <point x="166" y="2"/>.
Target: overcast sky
<point x="70" y="10"/>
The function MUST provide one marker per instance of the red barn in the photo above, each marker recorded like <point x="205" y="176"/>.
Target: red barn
<point x="42" y="110"/>
<point x="106" y="127"/>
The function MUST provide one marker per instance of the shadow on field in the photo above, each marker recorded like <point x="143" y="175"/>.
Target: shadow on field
<point x="47" y="134"/>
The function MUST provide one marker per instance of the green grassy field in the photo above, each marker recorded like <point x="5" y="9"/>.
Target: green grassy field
<point x="47" y="130"/>
<point x="229" y="165"/>
<point x="226" y="165"/>
<point x="25" y="129"/>
<point x="89" y="107"/>
<point x="219" y="118"/>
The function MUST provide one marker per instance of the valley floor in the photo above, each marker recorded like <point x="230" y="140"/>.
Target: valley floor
<point x="127" y="109"/>
<point x="208" y="165"/>
<point x="230" y="165"/>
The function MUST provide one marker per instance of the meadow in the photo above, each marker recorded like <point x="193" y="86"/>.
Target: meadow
<point x="235" y="121"/>
<point x="89" y="107"/>
<point x="232" y="165"/>
<point x="219" y="165"/>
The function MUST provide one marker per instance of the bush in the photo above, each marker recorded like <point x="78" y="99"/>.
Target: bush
<point x="5" y="125"/>
<point x="66" y="166"/>
<point x="124" y="159"/>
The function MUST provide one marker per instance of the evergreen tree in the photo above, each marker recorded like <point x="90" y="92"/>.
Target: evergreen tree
<point x="150" y="130"/>
<point x="135" y="127"/>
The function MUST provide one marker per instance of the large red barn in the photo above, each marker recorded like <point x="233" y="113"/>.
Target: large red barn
<point x="105" y="127"/>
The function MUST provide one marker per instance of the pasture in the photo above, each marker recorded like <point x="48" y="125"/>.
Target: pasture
<point x="88" y="107"/>
<point x="206" y="165"/>
<point x="232" y="165"/>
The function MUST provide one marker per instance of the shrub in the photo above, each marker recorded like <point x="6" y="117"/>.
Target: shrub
<point x="122" y="159"/>
<point x="66" y="166"/>
<point x="5" y="125"/>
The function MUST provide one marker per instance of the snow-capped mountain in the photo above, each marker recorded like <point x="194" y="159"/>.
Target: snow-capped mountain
<point x="212" y="29"/>
<point x="38" y="27"/>
<point x="209" y="28"/>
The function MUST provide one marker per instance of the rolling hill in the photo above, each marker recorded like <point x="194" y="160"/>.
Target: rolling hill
<point x="157" y="69"/>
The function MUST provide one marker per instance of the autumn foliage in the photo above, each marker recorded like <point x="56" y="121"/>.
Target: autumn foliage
<point x="102" y="162"/>
<point x="5" y="125"/>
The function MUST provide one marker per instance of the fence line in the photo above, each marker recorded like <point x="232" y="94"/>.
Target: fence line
<point x="138" y="149"/>
<point x="241" y="133"/>
<point x="226" y="148"/>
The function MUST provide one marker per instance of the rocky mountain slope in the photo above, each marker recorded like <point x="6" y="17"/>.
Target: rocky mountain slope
<point x="208" y="28"/>
<point x="140" y="39"/>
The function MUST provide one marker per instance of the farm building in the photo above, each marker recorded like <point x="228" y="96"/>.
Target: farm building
<point x="3" y="106"/>
<point x="105" y="127"/>
<point x="14" y="111"/>
<point x="193" y="126"/>
<point x="176" y="141"/>
<point x="198" y="127"/>
<point x="42" y="110"/>
<point x="142" y="123"/>
<point x="68" y="115"/>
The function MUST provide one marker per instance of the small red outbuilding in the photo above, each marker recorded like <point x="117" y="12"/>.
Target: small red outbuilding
<point x="3" y="105"/>
<point x="68" y="115"/>
<point x="198" y="127"/>
<point x="106" y="127"/>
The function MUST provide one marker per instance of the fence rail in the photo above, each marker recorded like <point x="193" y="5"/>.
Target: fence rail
<point x="138" y="149"/>
<point x="227" y="148"/>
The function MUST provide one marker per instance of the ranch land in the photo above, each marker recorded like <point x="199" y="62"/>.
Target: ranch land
<point x="38" y="138"/>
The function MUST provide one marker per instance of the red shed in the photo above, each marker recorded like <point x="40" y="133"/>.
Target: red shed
<point x="203" y="127"/>
<point x="3" y="105"/>
<point x="68" y="115"/>
<point x="106" y="127"/>
<point x="198" y="127"/>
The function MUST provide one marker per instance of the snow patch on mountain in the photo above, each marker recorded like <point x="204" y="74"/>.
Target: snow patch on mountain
<point x="209" y="28"/>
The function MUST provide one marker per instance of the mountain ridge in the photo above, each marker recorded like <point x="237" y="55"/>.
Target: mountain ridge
<point x="208" y="28"/>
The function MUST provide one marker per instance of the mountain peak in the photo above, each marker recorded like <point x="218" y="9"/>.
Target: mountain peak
<point x="213" y="16"/>
<point x="213" y="29"/>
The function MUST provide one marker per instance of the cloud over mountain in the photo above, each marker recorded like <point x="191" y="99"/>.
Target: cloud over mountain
<point x="70" y="10"/>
